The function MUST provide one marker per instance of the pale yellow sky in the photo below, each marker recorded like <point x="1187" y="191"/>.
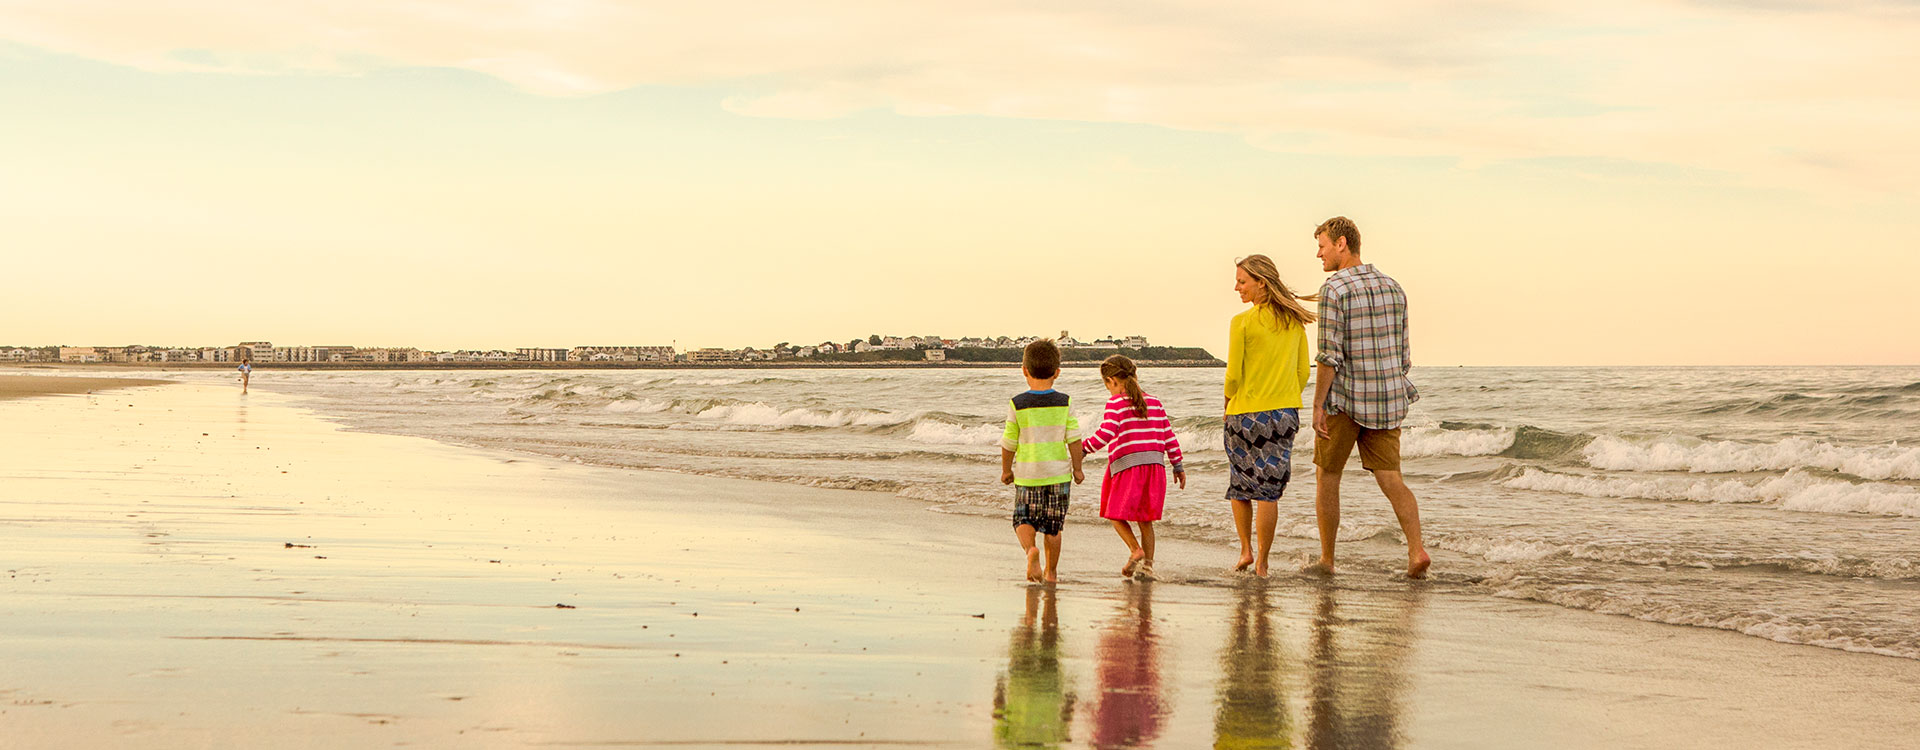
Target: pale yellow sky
<point x="1648" y="183"/>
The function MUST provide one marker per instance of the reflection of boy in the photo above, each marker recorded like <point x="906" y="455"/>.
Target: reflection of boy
<point x="1032" y="706"/>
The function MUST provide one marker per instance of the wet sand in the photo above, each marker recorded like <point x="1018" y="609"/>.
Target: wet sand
<point x="188" y="567"/>
<point x="22" y="386"/>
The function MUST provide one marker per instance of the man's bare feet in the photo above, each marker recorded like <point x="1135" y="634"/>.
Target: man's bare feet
<point x="1246" y="560"/>
<point x="1417" y="565"/>
<point x="1318" y="568"/>
<point x="1133" y="561"/>
<point x="1033" y="564"/>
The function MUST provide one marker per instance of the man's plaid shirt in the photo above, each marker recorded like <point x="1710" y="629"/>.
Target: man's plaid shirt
<point x="1363" y="336"/>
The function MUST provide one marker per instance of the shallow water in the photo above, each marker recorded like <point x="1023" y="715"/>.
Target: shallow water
<point x="1779" y="503"/>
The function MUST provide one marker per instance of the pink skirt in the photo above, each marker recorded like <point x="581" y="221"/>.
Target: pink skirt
<point x="1137" y="494"/>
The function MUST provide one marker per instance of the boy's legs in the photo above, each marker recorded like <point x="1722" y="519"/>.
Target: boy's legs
<point x="1025" y="533"/>
<point x="1053" y="558"/>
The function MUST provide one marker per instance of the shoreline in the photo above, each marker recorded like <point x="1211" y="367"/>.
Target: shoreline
<point x="28" y="386"/>
<point x="378" y="366"/>
<point x="195" y="568"/>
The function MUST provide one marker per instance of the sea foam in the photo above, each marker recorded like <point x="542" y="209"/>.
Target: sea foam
<point x="1890" y="461"/>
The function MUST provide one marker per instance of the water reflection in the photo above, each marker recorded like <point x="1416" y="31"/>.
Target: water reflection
<point x="1250" y="707"/>
<point x="1131" y="704"/>
<point x="1357" y="670"/>
<point x="1032" y="702"/>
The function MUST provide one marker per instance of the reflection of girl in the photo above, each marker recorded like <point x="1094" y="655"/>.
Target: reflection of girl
<point x="1250" y="711"/>
<point x="1130" y="706"/>
<point x="1032" y="706"/>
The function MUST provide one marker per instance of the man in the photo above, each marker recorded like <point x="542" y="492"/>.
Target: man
<point x="1361" y="392"/>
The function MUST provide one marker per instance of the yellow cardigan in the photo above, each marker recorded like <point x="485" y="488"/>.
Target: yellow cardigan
<point x="1267" y="363"/>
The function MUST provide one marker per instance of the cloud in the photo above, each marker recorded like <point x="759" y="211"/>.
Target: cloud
<point x="1772" y="93"/>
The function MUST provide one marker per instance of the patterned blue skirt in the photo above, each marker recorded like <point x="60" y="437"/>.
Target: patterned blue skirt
<point x="1260" y="453"/>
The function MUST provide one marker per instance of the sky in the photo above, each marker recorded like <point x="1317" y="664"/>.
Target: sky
<point x="1645" y="182"/>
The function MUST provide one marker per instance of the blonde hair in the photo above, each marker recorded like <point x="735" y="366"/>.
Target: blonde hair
<point x="1122" y="369"/>
<point x="1280" y="301"/>
<point x="1338" y="227"/>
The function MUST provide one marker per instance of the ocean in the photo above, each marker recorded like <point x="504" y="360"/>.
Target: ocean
<point x="1781" y="503"/>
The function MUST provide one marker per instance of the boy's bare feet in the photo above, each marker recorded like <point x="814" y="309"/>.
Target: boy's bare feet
<point x="1133" y="561"/>
<point x="1417" y="565"/>
<point x="1246" y="560"/>
<point x="1318" y="568"/>
<point x="1033" y="564"/>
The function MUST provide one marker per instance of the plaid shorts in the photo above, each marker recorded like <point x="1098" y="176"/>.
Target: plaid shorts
<point x="1043" y="507"/>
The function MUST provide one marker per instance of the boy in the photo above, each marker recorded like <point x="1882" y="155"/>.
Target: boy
<point x="1040" y="456"/>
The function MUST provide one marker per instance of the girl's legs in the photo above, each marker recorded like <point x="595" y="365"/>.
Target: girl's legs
<point x="1146" y="539"/>
<point x="1242" y="524"/>
<point x="1134" y="555"/>
<point x="1266" y="517"/>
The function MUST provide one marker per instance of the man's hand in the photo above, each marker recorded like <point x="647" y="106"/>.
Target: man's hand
<point x="1181" y="477"/>
<point x="1006" y="476"/>
<point x="1320" y="423"/>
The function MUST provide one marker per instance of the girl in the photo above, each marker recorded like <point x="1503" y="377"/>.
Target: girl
<point x="1266" y="371"/>
<point x="1140" y="443"/>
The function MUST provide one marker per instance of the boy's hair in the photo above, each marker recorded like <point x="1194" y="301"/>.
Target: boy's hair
<point x="1041" y="359"/>
<point x="1340" y="226"/>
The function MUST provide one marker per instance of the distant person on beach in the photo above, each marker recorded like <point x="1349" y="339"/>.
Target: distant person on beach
<point x="246" y="374"/>
<point x="1361" y="392"/>
<point x="1266" y="372"/>
<point x="1040" y="456"/>
<point x="1140" y="445"/>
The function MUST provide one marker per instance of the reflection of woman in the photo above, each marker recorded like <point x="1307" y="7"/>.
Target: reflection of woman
<point x="1130" y="706"/>
<point x="1251" y="712"/>
<point x="1032" y="705"/>
<point x="1266" y="371"/>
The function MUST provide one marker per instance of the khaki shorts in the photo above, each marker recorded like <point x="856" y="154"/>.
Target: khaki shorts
<point x="1379" y="449"/>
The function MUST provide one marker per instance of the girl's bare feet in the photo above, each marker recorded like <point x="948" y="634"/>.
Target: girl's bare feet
<point x="1145" y="573"/>
<point x="1033" y="564"/>
<point x="1417" y="565"/>
<point x="1133" y="560"/>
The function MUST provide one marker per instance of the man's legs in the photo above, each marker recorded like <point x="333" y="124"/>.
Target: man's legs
<point x="1407" y="510"/>
<point x="1326" y="510"/>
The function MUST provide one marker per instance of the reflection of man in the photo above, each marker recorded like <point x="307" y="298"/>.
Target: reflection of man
<point x="1353" y="696"/>
<point x="1032" y="705"/>
<point x="1250" y="711"/>
<point x="1130" y="707"/>
<point x="1361" y="393"/>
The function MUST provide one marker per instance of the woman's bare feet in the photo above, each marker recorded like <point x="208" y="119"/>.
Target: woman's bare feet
<point x="1033" y="564"/>
<point x="1418" y="563"/>
<point x="1246" y="560"/>
<point x="1318" y="568"/>
<point x="1133" y="561"/>
<point x="1260" y="568"/>
<point x="1052" y="577"/>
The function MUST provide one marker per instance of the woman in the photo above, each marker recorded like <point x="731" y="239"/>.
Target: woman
<point x="1267" y="367"/>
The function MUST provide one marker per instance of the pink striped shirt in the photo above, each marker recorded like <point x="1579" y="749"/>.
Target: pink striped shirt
<point x="1124" y="432"/>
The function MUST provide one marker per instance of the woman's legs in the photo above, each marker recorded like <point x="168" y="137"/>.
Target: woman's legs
<point x="1243" y="525"/>
<point x="1266" y="517"/>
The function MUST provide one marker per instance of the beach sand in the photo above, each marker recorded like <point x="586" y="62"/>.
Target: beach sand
<point x="188" y="567"/>
<point x="22" y="386"/>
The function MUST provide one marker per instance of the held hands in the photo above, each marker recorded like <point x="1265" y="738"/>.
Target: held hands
<point x="1079" y="477"/>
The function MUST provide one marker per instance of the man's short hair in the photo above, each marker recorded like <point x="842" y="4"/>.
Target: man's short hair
<point x="1340" y="226"/>
<point x="1041" y="359"/>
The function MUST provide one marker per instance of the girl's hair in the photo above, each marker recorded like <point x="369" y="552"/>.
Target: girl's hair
<point x="1281" y="301"/>
<point x="1120" y="368"/>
